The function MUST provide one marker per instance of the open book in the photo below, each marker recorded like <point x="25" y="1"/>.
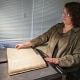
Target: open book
<point x="23" y="60"/>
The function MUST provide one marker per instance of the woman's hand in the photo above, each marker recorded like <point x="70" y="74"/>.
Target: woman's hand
<point x="52" y="60"/>
<point x="25" y="45"/>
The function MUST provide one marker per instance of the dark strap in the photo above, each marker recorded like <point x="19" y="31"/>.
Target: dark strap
<point x="55" y="51"/>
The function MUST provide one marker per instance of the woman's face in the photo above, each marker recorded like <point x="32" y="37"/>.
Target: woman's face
<point x="66" y="17"/>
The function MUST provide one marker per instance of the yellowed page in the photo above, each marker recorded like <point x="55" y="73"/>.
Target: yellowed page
<point x="23" y="60"/>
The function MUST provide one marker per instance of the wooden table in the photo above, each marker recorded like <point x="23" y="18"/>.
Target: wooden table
<point x="49" y="73"/>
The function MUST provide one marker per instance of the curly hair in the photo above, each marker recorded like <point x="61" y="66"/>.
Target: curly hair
<point x="73" y="9"/>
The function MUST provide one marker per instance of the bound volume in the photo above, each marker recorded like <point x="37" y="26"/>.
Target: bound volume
<point x="23" y="60"/>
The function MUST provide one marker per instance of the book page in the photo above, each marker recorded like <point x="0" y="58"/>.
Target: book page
<point x="23" y="60"/>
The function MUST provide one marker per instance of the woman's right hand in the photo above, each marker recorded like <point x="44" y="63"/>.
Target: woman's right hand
<point x="24" y="45"/>
<point x="20" y="46"/>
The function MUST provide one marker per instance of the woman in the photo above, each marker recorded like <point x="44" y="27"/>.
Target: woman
<point x="64" y="36"/>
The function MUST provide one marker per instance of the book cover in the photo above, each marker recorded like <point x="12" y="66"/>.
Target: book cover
<point x="23" y="60"/>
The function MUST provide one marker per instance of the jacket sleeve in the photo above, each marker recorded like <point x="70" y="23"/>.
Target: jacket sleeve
<point x="73" y="59"/>
<point x="44" y="37"/>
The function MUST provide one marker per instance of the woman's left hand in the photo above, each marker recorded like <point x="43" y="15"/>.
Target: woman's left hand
<point x="52" y="60"/>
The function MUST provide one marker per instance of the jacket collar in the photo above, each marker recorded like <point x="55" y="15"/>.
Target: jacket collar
<point x="75" y="29"/>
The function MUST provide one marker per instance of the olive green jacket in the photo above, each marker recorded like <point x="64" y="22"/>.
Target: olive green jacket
<point x="69" y="54"/>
